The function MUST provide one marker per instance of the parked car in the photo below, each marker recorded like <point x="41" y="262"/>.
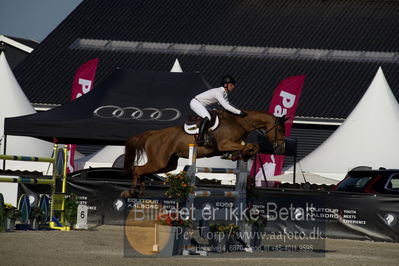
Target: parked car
<point x="381" y="181"/>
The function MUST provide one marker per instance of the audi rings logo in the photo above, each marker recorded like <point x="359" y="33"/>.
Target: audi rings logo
<point x="135" y="113"/>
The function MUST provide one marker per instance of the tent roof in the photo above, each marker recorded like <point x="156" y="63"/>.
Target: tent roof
<point x="98" y="117"/>
<point x="369" y="136"/>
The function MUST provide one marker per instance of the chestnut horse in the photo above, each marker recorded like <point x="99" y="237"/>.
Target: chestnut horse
<point x="164" y="147"/>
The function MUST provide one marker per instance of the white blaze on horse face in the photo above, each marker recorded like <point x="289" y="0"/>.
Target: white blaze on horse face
<point x="288" y="102"/>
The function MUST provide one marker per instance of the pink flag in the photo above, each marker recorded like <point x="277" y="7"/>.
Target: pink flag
<point x="285" y="101"/>
<point x="82" y="84"/>
<point x="84" y="78"/>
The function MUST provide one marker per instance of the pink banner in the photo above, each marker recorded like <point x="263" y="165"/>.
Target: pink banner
<point x="82" y="84"/>
<point x="285" y="101"/>
<point x="84" y="78"/>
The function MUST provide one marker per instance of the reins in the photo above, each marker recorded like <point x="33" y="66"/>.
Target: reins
<point x="267" y="131"/>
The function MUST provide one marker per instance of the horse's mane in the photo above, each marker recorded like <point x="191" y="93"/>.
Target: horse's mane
<point x="223" y="112"/>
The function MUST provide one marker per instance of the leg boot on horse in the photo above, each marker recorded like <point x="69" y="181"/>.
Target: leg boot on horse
<point x="202" y="131"/>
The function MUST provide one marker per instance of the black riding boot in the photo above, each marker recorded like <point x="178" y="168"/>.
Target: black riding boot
<point x="202" y="130"/>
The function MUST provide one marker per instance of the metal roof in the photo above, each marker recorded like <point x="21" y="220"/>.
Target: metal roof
<point x="339" y="45"/>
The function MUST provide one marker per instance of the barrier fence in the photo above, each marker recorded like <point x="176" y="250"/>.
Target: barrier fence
<point x="241" y="173"/>
<point x="57" y="199"/>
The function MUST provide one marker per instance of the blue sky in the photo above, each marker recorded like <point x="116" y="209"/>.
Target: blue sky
<point x="33" y="19"/>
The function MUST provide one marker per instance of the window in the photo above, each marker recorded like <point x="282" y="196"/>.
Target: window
<point x="354" y="182"/>
<point x="393" y="183"/>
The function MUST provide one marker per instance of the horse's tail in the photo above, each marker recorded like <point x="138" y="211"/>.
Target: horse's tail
<point x="133" y="152"/>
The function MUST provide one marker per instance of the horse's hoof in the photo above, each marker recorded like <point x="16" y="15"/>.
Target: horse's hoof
<point x="235" y="158"/>
<point x="125" y="194"/>
<point x="226" y="156"/>
<point x="130" y="194"/>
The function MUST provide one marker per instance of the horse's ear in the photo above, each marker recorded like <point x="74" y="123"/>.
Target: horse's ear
<point x="284" y="119"/>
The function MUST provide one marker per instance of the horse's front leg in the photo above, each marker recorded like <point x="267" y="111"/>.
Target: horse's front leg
<point x="249" y="150"/>
<point x="239" y="150"/>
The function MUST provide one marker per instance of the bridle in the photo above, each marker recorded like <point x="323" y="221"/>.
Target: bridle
<point x="276" y="123"/>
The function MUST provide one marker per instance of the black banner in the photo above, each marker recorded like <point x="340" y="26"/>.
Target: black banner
<point x="335" y="214"/>
<point x="329" y="214"/>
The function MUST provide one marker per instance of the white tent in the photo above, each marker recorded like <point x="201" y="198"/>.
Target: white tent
<point x="13" y="102"/>
<point x="176" y="67"/>
<point x="368" y="137"/>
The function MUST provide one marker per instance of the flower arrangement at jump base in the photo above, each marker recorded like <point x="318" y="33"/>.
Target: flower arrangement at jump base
<point x="255" y="227"/>
<point x="223" y="237"/>
<point x="11" y="212"/>
<point x="180" y="186"/>
<point x="173" y="219"/>
<point x="71" y="209"/>
<point x="37" y="216"/>
<point x="170" y="230"/>
<point x="36" y="213"/>
<point x="255" y="219"/>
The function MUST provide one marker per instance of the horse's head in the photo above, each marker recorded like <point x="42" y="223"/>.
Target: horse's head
<point x="276" y="134"/>
<point x="274" y="126"/>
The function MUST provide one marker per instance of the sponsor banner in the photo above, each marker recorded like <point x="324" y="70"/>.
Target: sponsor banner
<point x="136" y="113"/>
<point x="332" y="214"/>
<point x="284" y="103"/>
<point x="285" y="214"/>
<point x="82" y="83"/>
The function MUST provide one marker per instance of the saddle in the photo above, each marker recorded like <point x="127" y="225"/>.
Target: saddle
<point x="193" y="122"/>
<point x="196" y="120"/>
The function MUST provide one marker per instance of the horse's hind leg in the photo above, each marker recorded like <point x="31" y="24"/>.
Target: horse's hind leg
<point x="172" y="165"/>
<point x="162" y="166"/>
<point x="134" y="190"/>
<point x="141" y="186"/>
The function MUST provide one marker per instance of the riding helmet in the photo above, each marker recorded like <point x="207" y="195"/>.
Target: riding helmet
<point x="228" y="79"/>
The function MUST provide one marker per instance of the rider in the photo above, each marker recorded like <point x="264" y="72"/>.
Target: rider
<point x="200" y="103"/>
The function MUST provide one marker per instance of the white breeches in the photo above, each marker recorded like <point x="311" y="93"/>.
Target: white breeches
<point x="199" y="109"/>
